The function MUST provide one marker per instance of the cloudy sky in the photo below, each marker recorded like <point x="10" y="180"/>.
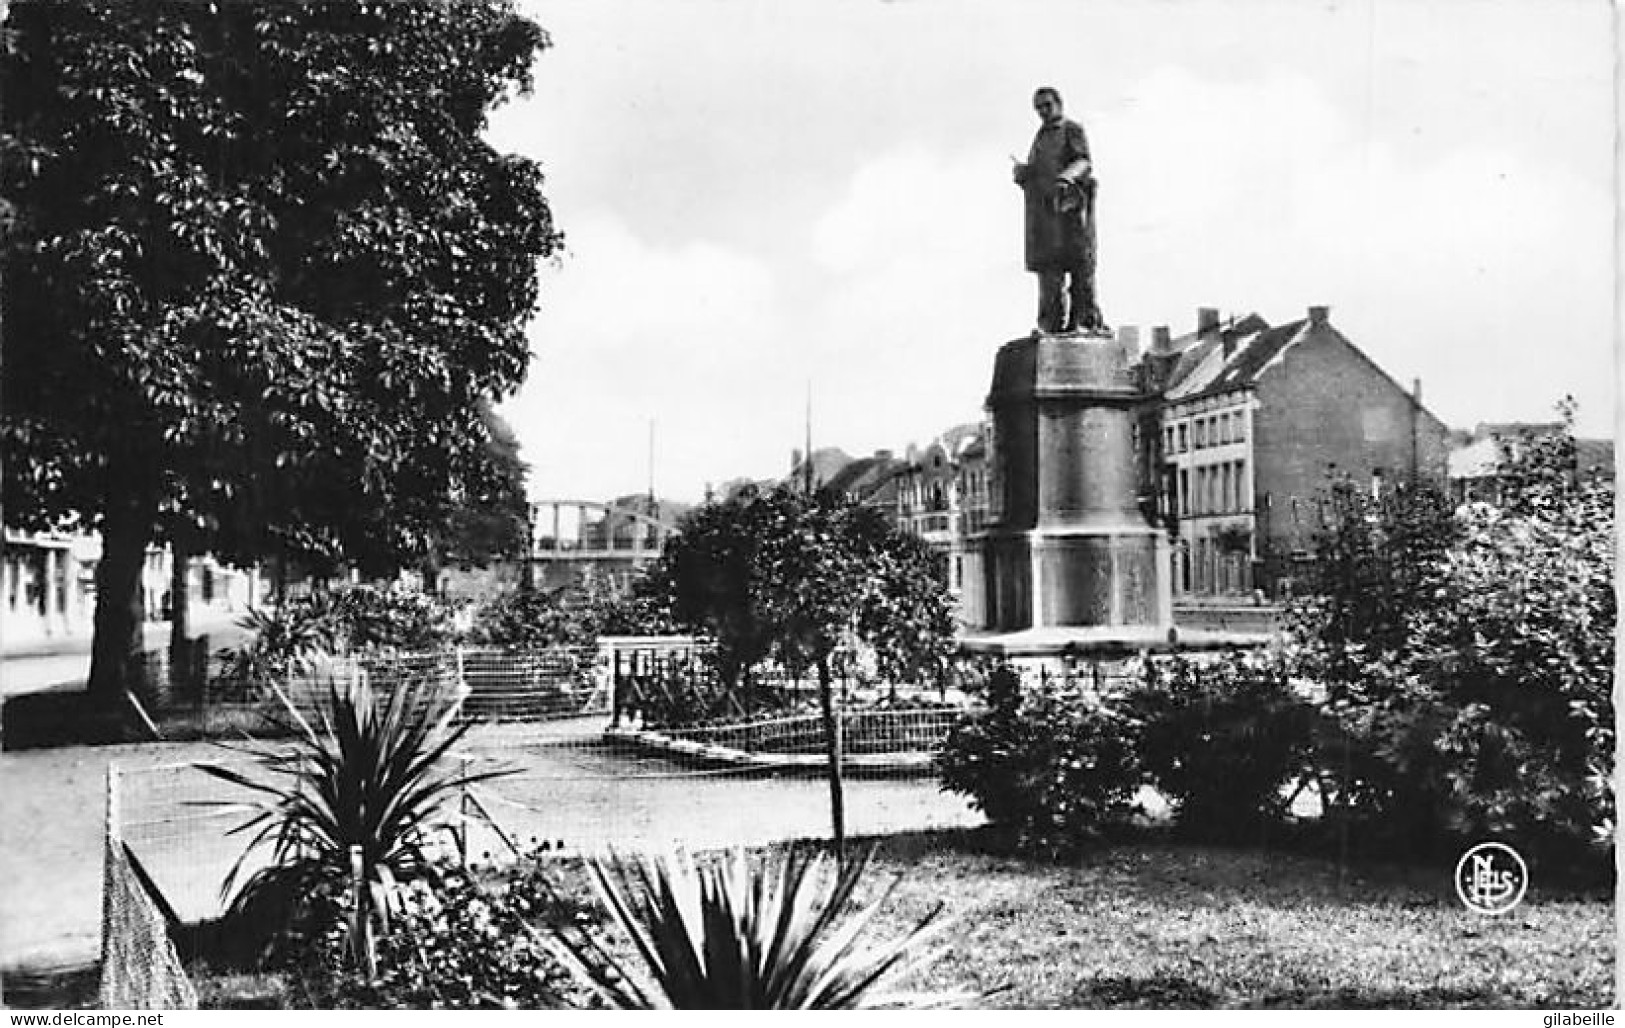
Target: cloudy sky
<point x="766" y="199"/>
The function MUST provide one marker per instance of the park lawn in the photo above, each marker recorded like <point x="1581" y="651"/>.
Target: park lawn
<point x="1149" y="923"/>
<point x="1153" y="924"/>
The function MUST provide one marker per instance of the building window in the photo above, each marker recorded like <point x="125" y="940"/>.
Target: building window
<point x="1168" y="438"/>
<point x="1184" y="439"/>
<point x="1184" y="491"/>
<point x="1241" y="425"/>
<point x="1201" y="433"/>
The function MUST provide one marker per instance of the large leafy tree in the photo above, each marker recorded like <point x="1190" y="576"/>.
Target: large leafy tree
<point x="488" y="519"/>
<point x="262" y="278"/>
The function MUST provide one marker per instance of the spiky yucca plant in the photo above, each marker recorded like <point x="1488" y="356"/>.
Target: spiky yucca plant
<point x="348" y="805"/>
<point x="730" y="935"/>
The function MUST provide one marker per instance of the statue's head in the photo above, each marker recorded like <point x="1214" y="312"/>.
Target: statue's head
<point x="1047" y="102"/>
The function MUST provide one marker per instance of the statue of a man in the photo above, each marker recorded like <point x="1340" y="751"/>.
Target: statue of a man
<point x="1060" y="202"/>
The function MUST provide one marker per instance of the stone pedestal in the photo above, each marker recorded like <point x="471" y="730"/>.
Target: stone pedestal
<point x="1068" y="562"/>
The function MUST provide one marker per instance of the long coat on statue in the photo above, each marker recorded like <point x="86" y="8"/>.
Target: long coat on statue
<point x="1060" y="200"/>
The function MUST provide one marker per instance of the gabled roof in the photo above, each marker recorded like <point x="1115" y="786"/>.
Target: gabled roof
<point x="1193" y="348"/>
<point x="1595" y="454"/>
<point x="863" y="476"/>
<point x="827" y="461"/>
<point x="955" y="439"/>
<point x="1215" y="372"/>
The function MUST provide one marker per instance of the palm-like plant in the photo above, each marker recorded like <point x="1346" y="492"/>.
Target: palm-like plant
<point x="349" y="804"/>
<point x="727" y="935"/>
<point x="283" y="641"/>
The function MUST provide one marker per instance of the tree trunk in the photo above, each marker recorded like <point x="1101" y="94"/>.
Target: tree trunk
<point x="430" y="570"/>
<point x="832" y="737"/>
<point x="116" y="646"/>
<point x="179" y="612"/>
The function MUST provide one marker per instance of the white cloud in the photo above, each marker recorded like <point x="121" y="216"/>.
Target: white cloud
<point x="847" y="217"/>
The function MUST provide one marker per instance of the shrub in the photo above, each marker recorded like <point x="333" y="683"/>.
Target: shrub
<point x="392" y="618"/>
<point x="1221" y="739"/>
<point x="462" y="944"/>
<point x="291" y="637"/>
<point x="531" y="618"/>
<point x="284" y="640"/>
<point x="1055" y="767"/>
<point x="1480" y="704"/>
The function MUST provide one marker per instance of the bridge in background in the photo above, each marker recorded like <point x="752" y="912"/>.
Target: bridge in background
<point x="573" y="540"/>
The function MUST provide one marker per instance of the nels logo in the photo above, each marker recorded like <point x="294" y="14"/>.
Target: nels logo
<point x="1491" y="878"/>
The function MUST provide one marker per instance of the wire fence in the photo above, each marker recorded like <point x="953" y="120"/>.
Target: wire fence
<point x="895" y="737"/>
<point x="497" y="684"/>
<point x="140" y="969"/>
<point x="582" y="769"/>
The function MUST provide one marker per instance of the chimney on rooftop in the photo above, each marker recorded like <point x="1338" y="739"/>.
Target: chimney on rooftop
<point x="1161" y="340"/>
<point x="1207" y="321"/>
<point x="1318" y="315"/>
<point x="1128" y="339"/>
<point x="883" y="455"/>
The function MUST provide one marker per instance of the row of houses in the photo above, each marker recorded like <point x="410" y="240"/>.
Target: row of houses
<point x="48" y="588"/>
<point x="1245" y="424"/>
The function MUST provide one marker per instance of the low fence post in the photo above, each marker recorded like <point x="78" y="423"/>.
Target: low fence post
<point x="465" y="808"/>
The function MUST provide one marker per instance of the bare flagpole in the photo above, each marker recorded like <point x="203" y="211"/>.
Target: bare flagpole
<point x="806" y="462"/>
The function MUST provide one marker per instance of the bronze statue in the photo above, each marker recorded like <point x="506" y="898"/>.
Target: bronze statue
<point x="1060" y="206"/>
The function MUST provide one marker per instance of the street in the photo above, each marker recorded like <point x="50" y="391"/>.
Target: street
<point x="65" y="663"/>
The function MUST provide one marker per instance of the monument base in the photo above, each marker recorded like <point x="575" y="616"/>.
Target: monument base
<point x="1105" y="643"/>
<point x="1108" y="577"/>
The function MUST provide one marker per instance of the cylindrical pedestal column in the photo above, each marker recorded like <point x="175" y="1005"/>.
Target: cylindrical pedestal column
<point x="1070" y="548"/>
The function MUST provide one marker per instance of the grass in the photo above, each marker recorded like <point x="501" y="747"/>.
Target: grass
<point x="1148" y="923"/>
<point x="52" y="988"/>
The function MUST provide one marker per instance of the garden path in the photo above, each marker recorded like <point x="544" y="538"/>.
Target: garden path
<point x="569" y="788"/>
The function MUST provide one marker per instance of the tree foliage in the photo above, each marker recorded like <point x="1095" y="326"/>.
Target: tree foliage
<point x="489" y="520"/>
<point x="262" y="273"/>
<point x="795" y="577"/>
<point x="1471" y="666"/>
